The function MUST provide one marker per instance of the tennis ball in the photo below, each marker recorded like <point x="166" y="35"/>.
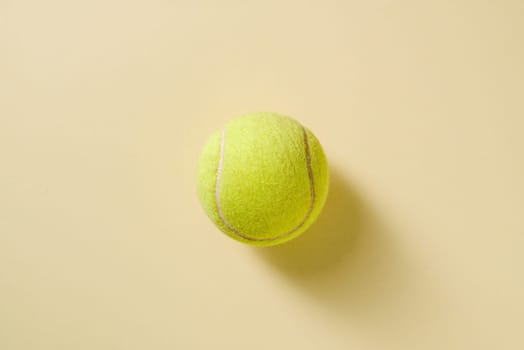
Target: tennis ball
<point x="263" y="179"/>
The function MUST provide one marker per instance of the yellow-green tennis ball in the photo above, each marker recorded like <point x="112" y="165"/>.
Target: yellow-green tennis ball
<point x="263" y="178"/>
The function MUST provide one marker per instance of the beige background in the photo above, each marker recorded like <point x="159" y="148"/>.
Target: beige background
<point x="104" y="106"/>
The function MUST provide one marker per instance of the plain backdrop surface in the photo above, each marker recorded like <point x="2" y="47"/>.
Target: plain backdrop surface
<point x="105" y="105"/>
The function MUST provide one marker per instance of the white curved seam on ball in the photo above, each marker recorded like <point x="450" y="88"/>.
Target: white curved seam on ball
<point x="217" y="192"/>
<point x="217" y="186"/>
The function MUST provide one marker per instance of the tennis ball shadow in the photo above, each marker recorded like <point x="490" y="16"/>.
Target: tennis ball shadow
<point x="328" y="240"/>
<point x="347" y="259"/>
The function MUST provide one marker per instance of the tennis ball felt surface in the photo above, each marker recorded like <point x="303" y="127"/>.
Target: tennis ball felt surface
<point x="263" y="178"/>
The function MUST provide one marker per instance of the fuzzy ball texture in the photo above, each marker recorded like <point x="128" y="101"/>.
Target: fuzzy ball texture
<point x="263" y="179"/>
